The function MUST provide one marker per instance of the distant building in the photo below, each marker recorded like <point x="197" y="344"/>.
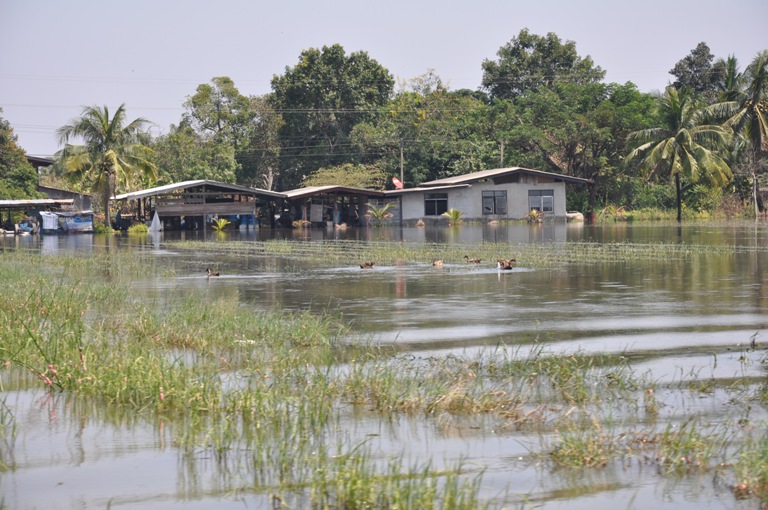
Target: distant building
<point x="81" y="201"/>
<point x="502" y="193"/>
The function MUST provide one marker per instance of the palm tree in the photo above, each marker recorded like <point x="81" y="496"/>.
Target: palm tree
<point x="454" y="216"/>
<point x="380" y="213"/>
<point x="112" y="152"/>
<point x="746" y="110"/>
<point x="682" y="147"/>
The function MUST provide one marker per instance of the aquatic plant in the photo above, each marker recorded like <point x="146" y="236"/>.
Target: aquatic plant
<point x="263" y="395"/>
<point x="534" y="216"/>
<point x="684" y="449"/>
<point x="380" y="214"/>
<point x="138" y="228"/>
<point x="219" y="224"/>
<point x="751" y="469"/>
<point x="454" y="216"/>
<point x="578" y="447"/>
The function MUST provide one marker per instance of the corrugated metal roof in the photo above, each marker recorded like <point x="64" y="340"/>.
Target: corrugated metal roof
<point x="160" y="190"/>
<point x="425" y="189"/>
<point x="319" y="190"/>
<point x="498" y="172"/>
<point x="34" y="202"/>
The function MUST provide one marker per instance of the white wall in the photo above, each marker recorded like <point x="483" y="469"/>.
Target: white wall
<point x="469" y="201"/>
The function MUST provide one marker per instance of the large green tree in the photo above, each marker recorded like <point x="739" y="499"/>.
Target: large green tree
<point x="18" y="178"/>
<point x="217" y="110"/>
<point x="530" y="62"/>
<point x="112" y="153"/>
<point x="581" y="130"/>
<point x="699" y="72"/>
<point x="184" y="154"/>
<point x="321" y="99"/>
<point x="260" y="159"/>
<point x="427" y="132"/>
<point x="682" y="147"/>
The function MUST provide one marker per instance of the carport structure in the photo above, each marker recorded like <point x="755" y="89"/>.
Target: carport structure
<point x="337" y="204"/>
<point x="29" y="206"/>
<point x="196" y="201"/>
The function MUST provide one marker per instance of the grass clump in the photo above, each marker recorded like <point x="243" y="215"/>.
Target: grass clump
<point x="751" y="469"/>
<point x="138" y="228"/>
<point x="583" y="448"/>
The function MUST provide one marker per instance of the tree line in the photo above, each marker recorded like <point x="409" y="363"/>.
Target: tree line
<point x="337" y="117"/>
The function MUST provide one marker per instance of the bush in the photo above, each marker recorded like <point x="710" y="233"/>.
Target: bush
<point x="138" y="228"/>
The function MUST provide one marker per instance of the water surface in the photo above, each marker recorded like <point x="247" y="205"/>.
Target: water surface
<point x="674" y="319"/>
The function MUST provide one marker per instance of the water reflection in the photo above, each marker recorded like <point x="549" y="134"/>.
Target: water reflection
<point x="732" y="234"/>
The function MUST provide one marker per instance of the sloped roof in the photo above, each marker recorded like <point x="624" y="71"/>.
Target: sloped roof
<point x="35" y="202"/>
<point x="216" y="185"/>
<point x="420" y="189"/>
<point x="498" y="172"/>
<point x="38" y="161"/>
<point x="330" y="189"/>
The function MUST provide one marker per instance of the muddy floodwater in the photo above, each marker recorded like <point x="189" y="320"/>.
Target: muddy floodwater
<point x="699" y="318"/>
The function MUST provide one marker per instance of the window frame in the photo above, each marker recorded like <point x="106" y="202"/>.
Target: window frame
<point x="498" y="202"/>
<point x="434" y="202"/>
<point x="542" y="200"/>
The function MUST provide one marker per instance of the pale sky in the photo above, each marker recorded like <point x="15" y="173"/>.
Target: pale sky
<point x="61" y="55"/>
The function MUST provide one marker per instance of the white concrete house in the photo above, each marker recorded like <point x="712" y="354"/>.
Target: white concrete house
<point x="502" y="193"/>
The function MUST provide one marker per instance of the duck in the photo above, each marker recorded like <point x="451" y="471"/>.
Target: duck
<point x="367" y="265"/>
<point x="471" y="261"/>
<point x="212" y="273"/>
<point x="437" y="262"/>
<point x="506" y="264"/>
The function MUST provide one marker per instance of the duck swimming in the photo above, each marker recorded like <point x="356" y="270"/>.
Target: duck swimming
<point x="212" y="273"/>
<point x="437" y="262"/>
<point x="506" y="264"/>
<point x="367" y="265"/>
<point x="471" y="261"/>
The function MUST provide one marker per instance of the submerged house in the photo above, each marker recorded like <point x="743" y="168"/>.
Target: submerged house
<point x="192" y="205"/>
<point x="502" y="193"/>
<point x="326" y="205"/>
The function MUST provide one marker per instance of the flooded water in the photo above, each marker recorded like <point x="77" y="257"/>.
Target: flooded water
<point x="672" y="318"/>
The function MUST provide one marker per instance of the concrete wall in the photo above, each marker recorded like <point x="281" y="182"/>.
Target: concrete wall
<point x="469" y="201"/>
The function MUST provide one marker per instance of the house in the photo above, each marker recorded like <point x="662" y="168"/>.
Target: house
<point x="498" y="194"/>
<point x="191" y="205"/>
<point x="80" y="201"/>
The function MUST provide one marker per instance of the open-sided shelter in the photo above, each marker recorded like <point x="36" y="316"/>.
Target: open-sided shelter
<point x="192" y="204"/>
<point x="323" y="204"/>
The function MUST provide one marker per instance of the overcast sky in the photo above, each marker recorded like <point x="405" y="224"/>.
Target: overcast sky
<point x="58" y="56"/>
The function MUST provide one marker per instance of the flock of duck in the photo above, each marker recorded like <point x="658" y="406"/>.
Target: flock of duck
<point x="502" y="264"/>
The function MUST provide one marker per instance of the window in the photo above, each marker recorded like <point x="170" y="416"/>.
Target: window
<point x="435" y="204"/>
<point x="542" y="200"/>
<point x="494" y="202"/>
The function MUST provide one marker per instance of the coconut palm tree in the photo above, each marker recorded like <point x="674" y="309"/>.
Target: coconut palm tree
<point x="682" y="147"/>
<point x="750" y="105"/>
<point x="746" y="110"/>
<point x="111" y="153"/>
